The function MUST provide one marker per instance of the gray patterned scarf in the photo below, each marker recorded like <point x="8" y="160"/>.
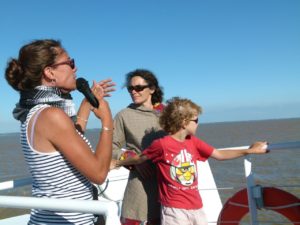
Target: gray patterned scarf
<point x="43" y="95"/>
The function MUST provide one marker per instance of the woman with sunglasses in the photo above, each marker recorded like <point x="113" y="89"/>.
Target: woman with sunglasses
<point x="60" y="158"/>
<point x="135" y="127"/>
<point x="176" y="157"/>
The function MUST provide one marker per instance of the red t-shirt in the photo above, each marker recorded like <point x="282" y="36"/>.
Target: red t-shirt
<point x="177" y="170"/>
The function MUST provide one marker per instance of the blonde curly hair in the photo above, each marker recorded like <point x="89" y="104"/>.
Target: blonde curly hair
<point x="176" y="112"/>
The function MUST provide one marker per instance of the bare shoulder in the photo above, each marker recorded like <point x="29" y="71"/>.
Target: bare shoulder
<point x="56" y="118"/>
<point x="53" y="126"/>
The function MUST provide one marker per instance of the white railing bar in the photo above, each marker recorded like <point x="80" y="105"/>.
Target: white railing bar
<point x="64" y="205"/>
<point x="109" y="209"/>
<point x="15" y="183"/>
<point x="272" y="146"/>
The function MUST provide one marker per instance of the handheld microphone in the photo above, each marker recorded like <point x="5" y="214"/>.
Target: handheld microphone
<point x="83" y="86"/>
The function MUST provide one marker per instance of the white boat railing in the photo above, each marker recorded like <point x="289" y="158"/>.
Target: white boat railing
<point x="11" y="184"/>
<point x="110" y="209"/>
<point x="255" y="198"/>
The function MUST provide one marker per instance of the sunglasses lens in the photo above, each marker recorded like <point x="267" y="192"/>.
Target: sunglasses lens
<point x="72" y="63"/>
<point x="137" y="88"/>
<point x="195" y="120"/>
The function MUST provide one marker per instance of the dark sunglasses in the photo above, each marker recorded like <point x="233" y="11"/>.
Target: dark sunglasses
<point x="137" y="88"/>
<point x="195" y="120"/>
<point x="70" y="62"/>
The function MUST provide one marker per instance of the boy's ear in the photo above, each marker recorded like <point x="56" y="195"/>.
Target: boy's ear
<point x="185" y="122"/>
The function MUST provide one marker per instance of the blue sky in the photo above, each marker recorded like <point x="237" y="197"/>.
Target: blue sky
<point x="238" y="59"/>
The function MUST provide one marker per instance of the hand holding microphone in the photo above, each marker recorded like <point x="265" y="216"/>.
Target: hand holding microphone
<point x="83" y="86"/>
<point x="104" y="86"/>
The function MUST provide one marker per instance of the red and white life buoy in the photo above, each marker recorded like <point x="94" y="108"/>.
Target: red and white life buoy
<point x="275" y="199"/>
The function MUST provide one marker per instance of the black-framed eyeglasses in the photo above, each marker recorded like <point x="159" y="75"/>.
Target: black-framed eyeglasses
<point x="70" y="62"/>
<point x="195" y="120"/>
<point x="137" y="88"/>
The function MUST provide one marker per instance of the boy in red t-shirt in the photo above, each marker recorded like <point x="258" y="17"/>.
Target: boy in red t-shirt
<point x="175" y="156"/>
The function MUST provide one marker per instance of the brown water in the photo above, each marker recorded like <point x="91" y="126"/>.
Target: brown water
<point x="278" y="168"/>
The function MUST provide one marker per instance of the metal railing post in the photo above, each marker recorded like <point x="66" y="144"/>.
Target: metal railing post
<point x="250" y="187"/>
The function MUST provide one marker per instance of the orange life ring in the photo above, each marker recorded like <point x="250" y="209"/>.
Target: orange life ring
<point x="274" y="199"/>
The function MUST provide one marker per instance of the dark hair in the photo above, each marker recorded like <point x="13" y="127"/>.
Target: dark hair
<point x="26" y="72"/>
<point x="150" y="78"/>
<point x="176" y="112"/>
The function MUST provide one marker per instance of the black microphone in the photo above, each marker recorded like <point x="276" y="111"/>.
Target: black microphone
<point x="83" y="86"/>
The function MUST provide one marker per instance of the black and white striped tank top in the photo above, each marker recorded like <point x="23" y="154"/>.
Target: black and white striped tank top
<point x="54" y="177"/>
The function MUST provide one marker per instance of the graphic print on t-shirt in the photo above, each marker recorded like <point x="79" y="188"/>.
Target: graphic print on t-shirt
<point x="183" y="169"/>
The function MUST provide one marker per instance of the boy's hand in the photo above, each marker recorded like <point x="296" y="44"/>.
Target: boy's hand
<point x="259" y="147"/>
<point x="128" y="154"/>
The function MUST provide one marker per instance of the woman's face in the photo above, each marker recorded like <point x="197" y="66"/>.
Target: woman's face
<point x="64" y="73"/>
<point x="140" y="92"/>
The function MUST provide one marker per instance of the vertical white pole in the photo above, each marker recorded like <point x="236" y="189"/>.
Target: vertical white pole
<point x="250" y="186"/>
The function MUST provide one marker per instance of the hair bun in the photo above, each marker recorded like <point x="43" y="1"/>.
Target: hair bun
<point x="13" y="73"/>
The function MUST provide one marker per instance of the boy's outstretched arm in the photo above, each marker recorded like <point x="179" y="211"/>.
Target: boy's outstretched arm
<point x="137" y="159"/>
<point x="256" y="148"/>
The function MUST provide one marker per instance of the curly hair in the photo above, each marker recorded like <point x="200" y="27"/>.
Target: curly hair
<point x="26" y="72"/>
<point x="150" y="78"/>
<point x="176" y="112"/>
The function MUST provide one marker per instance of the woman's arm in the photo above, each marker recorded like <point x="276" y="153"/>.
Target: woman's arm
<point x="255" y="148"/>
<point x="83" y="115"/>
<point x="56" y="128"/>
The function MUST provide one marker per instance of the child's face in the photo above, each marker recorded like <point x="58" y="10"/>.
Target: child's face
<point x="192" y="125"/>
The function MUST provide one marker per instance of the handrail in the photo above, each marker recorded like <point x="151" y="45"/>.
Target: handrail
<point x="250" y="190"/>
<point x="65" y="205"/>
<point x="109" y="209"/>
<point x="15" y="183"/>
<point x="272" y="146"/>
